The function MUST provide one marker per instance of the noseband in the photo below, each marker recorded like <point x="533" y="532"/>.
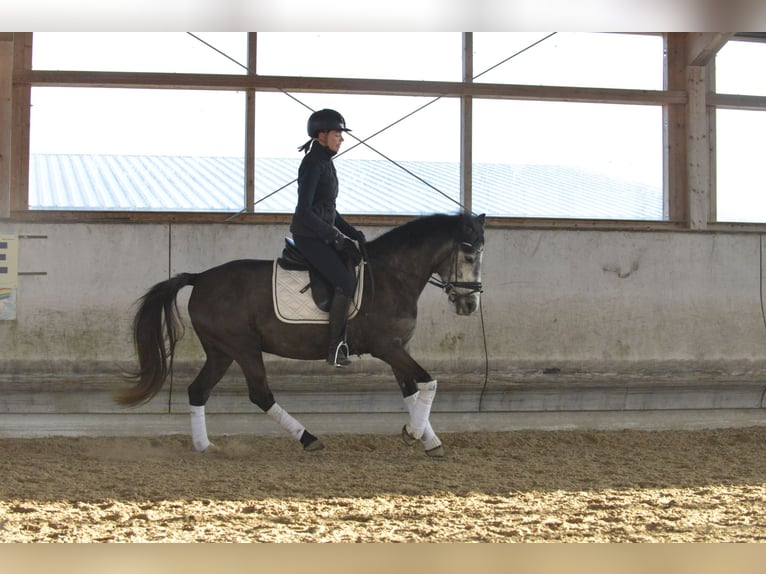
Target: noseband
<point x="450" y="287"/>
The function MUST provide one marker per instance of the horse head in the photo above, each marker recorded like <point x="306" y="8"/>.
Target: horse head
<point x="460" y="273"/>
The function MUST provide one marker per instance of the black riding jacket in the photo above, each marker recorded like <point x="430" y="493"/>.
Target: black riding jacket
<point x="316" y="215"/>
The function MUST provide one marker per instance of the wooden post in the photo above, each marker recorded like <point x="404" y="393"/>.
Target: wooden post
<point x="701" y="49"/>
<point x="698" y="149"/>
<point x="250" y="127"/>
<point x="22" y="104"/>
<point x="674" y="134"/>
<point x="6" y="120"/>
<point x="466" y="129"/>
<point x="710" y="88"/>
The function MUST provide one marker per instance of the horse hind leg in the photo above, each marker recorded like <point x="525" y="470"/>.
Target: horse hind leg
<point x="261" y="396"/>
<point x="199" y="391"/>
<point x="294" y="427"/>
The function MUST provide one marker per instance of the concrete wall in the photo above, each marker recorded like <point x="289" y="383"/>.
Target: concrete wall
<point x="587" y="300"/>
<point x="620" y="298"/>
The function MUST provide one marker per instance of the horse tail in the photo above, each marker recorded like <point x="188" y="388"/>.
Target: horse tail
<point x="157" y="328"/>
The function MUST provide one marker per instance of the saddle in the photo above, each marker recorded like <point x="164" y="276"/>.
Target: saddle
<point x="322" y="291"/>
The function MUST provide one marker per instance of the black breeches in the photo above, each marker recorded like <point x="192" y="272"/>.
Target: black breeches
<point x="328" y="262"/>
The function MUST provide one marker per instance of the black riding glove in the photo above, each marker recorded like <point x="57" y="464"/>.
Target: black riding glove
<point x="351" y="252"/>
<point x="357" y="235"/>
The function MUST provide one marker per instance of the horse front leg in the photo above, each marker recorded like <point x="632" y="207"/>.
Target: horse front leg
<point x="419" y="390"/>
<point x="430" y="441"/>
<point x="260" y="395"/>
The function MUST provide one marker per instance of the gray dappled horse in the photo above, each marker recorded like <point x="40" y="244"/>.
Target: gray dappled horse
<point x="232" y="312"/>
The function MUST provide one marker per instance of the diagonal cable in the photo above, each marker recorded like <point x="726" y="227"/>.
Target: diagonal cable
<point x="365" y="140"/>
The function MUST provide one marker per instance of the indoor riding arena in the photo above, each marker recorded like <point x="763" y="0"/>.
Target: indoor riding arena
<point x="591" y="345"/>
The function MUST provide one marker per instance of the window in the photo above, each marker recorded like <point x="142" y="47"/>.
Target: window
<point x="737" y="68"/>
<point x="137" y="149"/>
<point x="130" y="149"/>
<point x="628" y="61"/>
<point x="175" y="52"/>
<point x="394" y="56"/>
<point x="564" y="125"/>
<point x="740" y="169"/>
<point x="568" y="160"/>
<point x="425" y="146"/>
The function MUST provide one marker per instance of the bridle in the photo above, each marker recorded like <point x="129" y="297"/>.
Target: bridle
<point x="458" y="290"/>
<point x="455" y="290"/>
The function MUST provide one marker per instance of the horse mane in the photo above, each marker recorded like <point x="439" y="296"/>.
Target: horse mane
<point x="413" y="232"/>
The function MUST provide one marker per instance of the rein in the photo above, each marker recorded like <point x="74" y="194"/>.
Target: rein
<point x="368" y="268"/>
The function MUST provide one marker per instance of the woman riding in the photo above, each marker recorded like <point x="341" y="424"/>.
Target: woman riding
<point x="318" y="230"/>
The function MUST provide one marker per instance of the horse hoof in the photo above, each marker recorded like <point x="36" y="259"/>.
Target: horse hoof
<point x="208" y="449"/>
<point x="407" y="438"/>
<point x="314" y="446"/>
<point x="436" y="452"/>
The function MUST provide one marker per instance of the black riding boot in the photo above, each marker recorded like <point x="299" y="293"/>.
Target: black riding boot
<point x="337" y="354"/>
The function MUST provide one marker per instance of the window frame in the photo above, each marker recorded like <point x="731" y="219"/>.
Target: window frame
<point x="687" y="101"/>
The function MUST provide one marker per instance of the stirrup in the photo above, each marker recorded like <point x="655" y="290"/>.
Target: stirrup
<point x="339" y="358"/>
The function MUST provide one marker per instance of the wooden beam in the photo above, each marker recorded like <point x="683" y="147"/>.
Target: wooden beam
<point x="701" y="47"/>
<point x="346" y="86"/>
<point x="736" y="101"/>
<point x="377" y="220"/>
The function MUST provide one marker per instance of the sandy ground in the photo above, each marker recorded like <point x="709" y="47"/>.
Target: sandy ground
<point x="626" y="486"/>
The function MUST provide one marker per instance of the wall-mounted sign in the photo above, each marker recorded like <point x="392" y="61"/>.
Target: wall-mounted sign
<point x="9" y="276"/>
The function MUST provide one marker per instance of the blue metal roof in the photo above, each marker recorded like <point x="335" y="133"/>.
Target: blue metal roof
<point x="176" y="183"/>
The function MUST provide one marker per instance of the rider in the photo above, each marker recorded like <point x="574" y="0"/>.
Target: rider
<point x="318" y="230"/>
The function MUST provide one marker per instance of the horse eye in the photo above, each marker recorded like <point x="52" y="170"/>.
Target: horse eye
<point x="471" y="252"/>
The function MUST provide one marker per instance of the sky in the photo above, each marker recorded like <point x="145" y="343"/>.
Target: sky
<point x="621" y="141"/>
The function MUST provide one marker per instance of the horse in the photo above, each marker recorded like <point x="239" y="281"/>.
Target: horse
<point x="232" y="313"/>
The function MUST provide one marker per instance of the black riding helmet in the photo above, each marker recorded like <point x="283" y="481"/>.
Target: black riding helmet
<point x="323" y="121"/>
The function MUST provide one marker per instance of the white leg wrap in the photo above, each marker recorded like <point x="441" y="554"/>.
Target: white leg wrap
<point x="199" y="429"/>
<point x="283" y="418"/>
<point x="429" y="439"/>
<point x="420" y="409"/>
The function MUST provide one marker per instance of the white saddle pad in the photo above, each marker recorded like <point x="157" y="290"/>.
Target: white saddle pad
<point x="292" y="306"/>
